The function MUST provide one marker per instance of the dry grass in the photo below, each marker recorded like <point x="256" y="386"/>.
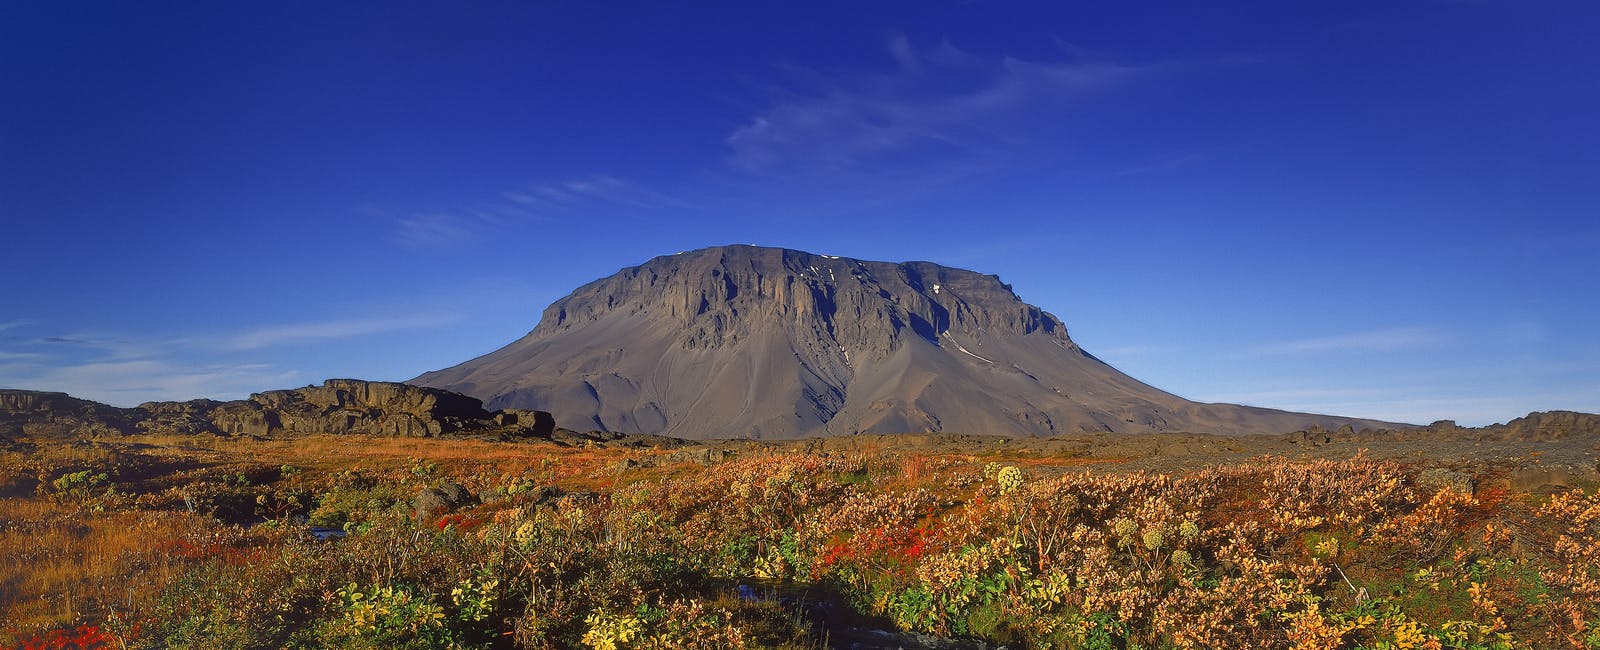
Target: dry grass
<point x="63" y="566"/>
<point x="914" y="467"/>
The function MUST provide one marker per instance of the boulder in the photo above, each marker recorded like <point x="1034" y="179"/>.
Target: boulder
<point x="1440" y="478"/>
<point x="448" y="497"/>
<point x="707" y="456"/>
<point x="1539" y="478"/>
<point x="538" y="424"/>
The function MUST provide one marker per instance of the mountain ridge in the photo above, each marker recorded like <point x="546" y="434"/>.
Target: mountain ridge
<point x="749" y="341"/>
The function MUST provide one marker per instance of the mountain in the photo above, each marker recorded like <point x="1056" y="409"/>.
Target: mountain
<point x="746" y="341"/>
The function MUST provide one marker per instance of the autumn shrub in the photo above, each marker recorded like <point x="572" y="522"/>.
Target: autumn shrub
<point x="565" y="551"/>
<point x="80" y="486"/>
<point x="390" y="616"/>
<point x="1564" y="532"/>
<point x="354" y="500"/>
<point x="81" y="637"/>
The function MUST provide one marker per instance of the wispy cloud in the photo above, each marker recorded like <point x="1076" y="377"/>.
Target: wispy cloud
<point x="601" y="188"/>
<point x="1150" y="165"/>
<point x="14" y="324"/>
<point x="109" y="346"/>
<point x="335" y="329"/>
<point x="433" y="229"/>
<point x="126" y="383"/>
<point x="939" y="98"/>
<point x="532" y="202"/>
<point x="1383" y="340"/>
<point x="125" y="370"/>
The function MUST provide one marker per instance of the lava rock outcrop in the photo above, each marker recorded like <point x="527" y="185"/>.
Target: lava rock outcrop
<point x="338" y="406"/>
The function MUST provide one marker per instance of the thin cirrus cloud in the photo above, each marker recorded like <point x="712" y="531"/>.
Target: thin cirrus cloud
<point x="433" y="229"/>
<point x="939" y="98"/>
<point x="101" y="345"/>
<point x="529" y="203"/>
<point x="600" y="188"/>
<point x="122" y="371"/>
<point x="126" y="383"/>
<point x="1382" y="340"/>
<point x="335" y="329"/>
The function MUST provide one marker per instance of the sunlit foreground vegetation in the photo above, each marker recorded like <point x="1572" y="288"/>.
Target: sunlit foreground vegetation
<point x="206" y="543"/>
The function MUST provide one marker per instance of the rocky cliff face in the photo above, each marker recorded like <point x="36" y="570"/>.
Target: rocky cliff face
<point x="1543" y="425"/>
<point x="39" y="414"/>
<point x="337" y="406"/>
<point x="353" y="406"/>
<point x="744" y="341"/>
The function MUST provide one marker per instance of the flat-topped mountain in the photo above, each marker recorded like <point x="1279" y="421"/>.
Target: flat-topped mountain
<point x="746" y="341"/>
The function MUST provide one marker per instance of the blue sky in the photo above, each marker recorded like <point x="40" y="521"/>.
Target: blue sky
<point x="1383" y="209"/>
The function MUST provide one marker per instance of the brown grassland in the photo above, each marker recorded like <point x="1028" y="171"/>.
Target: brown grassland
<point x="206" y="542"/>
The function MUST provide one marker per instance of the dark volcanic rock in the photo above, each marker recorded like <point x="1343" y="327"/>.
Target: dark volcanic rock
<point x="191" y="417"/>
<point x="58" y="415"/>
<point x="743" y="341"/>
<point x="337" y="406"/>
<point x="1536" y="426"/>
<point x="445" y="498"/>
<point x="539" y="424"/>
<point x="354" y="406"/>
<point x="1546" y="425"/>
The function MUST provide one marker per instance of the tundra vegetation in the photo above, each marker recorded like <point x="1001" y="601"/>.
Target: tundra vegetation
<point x="207" y="542"/>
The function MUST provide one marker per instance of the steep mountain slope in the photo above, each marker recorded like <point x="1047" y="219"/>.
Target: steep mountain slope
<point x="745" y="341"/>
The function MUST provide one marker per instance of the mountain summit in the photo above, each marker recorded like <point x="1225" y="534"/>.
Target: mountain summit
<point x="746" y="341"/>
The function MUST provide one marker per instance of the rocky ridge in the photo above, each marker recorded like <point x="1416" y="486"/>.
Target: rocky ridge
<point x="338" y="406"/>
